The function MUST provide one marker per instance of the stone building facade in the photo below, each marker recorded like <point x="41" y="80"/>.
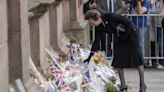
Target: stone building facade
<point x="27" y="27"/>
<point x="3" y="47"/>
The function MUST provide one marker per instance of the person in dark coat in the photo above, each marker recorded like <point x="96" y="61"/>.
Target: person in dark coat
<point x="101" y="6"/>
<point x="89" y="5"/>
<point x="127" y="51"/>
<point x="163" y="23"/>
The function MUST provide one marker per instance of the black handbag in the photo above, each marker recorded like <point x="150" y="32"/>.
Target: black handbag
<point x="120" y="28"/>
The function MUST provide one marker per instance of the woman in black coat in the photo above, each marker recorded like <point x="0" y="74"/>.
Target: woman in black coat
<point x="127" y="52"/>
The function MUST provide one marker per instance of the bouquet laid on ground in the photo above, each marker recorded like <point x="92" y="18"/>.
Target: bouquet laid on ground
<point x="72" y="75"/>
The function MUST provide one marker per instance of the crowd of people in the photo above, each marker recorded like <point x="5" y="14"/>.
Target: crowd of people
<point x="149" y="26"/>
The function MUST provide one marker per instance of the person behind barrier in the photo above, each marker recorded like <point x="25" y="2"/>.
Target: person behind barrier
<point x="152" y="28"/>
<point x="89" y="5"/>
<point x="140" y="7"/>
<point x="160" y="10"/>
<point x="127" y="51"/>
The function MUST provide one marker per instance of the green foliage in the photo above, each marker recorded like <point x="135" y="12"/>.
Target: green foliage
<point x="111" y="88"/>
<point x="113" y="79"/>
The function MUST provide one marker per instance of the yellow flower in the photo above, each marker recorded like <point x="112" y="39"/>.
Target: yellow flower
<point x="96" y="57"/>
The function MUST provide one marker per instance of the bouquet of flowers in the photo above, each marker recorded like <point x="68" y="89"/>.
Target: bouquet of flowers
<point x="100" y="68"/>
<point x="72" y="75"/>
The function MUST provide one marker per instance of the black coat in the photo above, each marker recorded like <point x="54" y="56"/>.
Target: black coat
<point x="163" y="23"/>
<point x="86" y="7"/>
<point x="127" y="52"/>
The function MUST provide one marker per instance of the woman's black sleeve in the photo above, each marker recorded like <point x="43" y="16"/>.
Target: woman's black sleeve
<point x="96" y="43"/>
<point x="127" y="25"/>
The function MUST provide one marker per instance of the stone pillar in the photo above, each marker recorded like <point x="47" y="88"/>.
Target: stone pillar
<point x="59" y="25"/>
<point x="73" y="7"/>
<point x="78" y="26"/>
<point x="18" y="39"/>
<point x="66" y="15"/>
<point x="3" y="47"/>
<point x="73" y="15"/>
<point x="35" y="17"/>
<point x="34" y="40"/>
<point x="62" y="40"/>
<point x="25" y="38"/>
<point x="44" y="32"/>
<point x="53" y="27"/>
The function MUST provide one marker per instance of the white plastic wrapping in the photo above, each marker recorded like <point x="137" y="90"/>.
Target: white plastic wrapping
<point x="75" y="76"/>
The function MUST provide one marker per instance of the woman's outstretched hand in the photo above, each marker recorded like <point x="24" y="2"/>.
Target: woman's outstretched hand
<point x="87" y="61"/>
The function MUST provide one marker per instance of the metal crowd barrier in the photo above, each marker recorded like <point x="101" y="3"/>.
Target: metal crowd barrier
<point x="147" y="48"/>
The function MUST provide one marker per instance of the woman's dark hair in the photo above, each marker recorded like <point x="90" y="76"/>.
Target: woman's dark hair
<point x="91" y="1"/>
<point x="92" y="14"/>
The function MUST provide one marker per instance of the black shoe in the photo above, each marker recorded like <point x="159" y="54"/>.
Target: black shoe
<point x="143" y="90"/>
<point x="124" y="89"/>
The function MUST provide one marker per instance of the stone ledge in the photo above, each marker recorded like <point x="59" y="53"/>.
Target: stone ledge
<point x="63" y="41"/>
<point x="69" y="35"/>
<point x="38" y="9"/>
<point x="75" y="25"/>
<point x="32" y="87"/>
<point x="35" y="3"/>
<point x="76" y="31"/>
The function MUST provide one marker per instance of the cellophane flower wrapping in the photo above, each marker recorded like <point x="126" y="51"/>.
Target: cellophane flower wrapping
<point x="72" y="75"/>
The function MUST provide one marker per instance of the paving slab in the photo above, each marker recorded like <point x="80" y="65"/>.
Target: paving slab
<point x="154" y="80"/>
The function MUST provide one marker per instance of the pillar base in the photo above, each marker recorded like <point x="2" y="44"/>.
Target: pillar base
<point x="78" y="32"/>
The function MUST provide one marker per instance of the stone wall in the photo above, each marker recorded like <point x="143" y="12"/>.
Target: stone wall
<point x="54" y="25"/>
<point x="25" y="39"/>
<point x="51" y="25"/>
<point x="3" y="47"/>
<point x="47" y="30"/>
<point x="14" y="40"/>
<point x="62" y="40"/>
<point x="18" y="39"/>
